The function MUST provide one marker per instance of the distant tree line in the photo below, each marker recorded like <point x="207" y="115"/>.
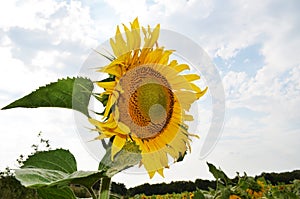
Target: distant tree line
<point x="173" y="187"/>
<point x="12" y="189"/>
<point x="181" y="186"/>
<point x="284" y="177"/>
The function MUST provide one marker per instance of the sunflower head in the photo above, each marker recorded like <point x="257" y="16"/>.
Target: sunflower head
<point x="148" y="97"/>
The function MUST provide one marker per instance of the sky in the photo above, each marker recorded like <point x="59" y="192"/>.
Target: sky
<point x="254" y="46"/>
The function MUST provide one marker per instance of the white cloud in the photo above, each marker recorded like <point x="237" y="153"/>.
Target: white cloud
<point x="49" y="59"/>
<point x="44" y="41"/>
<point x="128" y="9"/>
<point x="29" y="14"/>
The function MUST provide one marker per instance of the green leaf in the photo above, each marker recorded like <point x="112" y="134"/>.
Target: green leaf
<point x="36" y="178"/>
<point x="88" y="178"/>
<point x="72" y="93"/>
<point x="225" y="193"/>
<point x="33" y="177"/>
<point x="59" y="160"/>
<point x="56" y="167"/>
<point x="129" y="156"/>
<point x="56" y="193"/>
<point x="198" y="195"/>
<point x="218" y="174"/>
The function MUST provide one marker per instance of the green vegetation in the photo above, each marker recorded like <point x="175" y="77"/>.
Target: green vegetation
<point x="241" y="187"/>
<point x="267" y="185"/>
<point x="271" y="187"/>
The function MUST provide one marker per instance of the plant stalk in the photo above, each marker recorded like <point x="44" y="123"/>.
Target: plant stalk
<point x="92" y="193"/>
<point x="104" y="188"/>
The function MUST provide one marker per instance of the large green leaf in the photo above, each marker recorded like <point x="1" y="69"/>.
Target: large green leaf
<point x="36" y="178"/>
<point x="56" y="193"/>
<point x="59" y="160"/>
<point x="55" y="167"/>
<point x="72" y="93"/>
<point x="129" y="156"/>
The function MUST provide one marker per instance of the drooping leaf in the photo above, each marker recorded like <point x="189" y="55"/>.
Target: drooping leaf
<point x="129" y="156"/>
<point x="218" y="174"/>
<point x="59" y="160"/>
<point x="56" y="193"/>
<point x="73" y="93"/>
<point x="37" y="178"/>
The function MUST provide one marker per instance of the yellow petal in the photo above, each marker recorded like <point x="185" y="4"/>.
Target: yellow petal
<point x="120" y="44"/>
<point x="111" y="100"/>
<point x="174" y="153"/>
<point x="165" y="57"/>
<point x="113" y="69"/>
<point x="201" y="93"/>
<point x="185" y="98"/>
<point x="95" y="122"/>
<point x="191" y="77"/>
<point x="135" y="24"/>
<point x="114" y="46"/>
<point x="117" y="145"/>
<point x="181" y="67"/>
<point x="135" y="29"/>
<point x="151" y="163"/>
<point x="107" y="85"/>
<point x="124" y="127"/>
<point x="149" y="42"/>
<point x="161" y="172"/>
<point x="129" y="39"/>
<point x="188" y="117"/>
<point x="195" y="88"/>
<point x="101" y="137"/>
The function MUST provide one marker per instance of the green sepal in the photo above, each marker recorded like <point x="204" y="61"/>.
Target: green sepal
<point x="129" y="156"/>
<point x="102" y="98"/>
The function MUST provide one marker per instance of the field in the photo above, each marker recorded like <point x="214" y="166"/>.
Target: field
<point x="241" y="187"/>
<point x="267" y="186"/>
<point x="243" y="190"/>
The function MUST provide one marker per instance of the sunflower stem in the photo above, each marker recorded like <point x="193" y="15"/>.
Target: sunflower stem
<point x="92" y="193"/>
<point x="104" y="188"/>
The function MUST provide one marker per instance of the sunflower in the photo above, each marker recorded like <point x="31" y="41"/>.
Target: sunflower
<point x="148" y="98"/>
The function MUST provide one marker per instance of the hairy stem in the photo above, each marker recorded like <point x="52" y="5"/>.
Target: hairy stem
<point x="92" y="193"/>
<point x="104" y="188"/>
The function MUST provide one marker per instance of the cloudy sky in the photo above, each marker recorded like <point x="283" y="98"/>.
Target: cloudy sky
<point x="255" y="46"/>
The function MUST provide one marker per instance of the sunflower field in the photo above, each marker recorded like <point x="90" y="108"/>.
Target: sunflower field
<point x="245" y="187"/>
